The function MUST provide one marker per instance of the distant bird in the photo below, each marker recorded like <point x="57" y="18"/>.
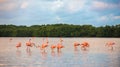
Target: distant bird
<point x="18" y="45"/>
<point x="110" y="44"/>
<point x="47" y="40"/>
<point x="85" y="45"/>
<point x="61" y="40"/>
<point x="76" y="44"/>
<point x="10" y="39"/>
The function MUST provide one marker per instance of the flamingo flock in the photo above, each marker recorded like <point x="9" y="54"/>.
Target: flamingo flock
<point x="45" y="44"/>
<point x="83" y="45"/>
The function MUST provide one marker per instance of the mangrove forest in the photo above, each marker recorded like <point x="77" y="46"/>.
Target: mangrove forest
<point x="59" y="30"/>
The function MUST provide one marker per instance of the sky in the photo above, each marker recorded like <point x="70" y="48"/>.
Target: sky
<point x="78" y="12"/>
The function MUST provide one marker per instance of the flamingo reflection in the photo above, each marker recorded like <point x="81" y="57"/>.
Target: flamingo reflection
<point x="29" y="52"/>
<point x="59" y="53"/>
<point x="44" y="55"/>
<point x="18" y="52"/>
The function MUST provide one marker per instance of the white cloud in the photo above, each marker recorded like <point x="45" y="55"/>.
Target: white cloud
<point x="75" y="5"/>
<point x="58" y="19"/>
<point x="70" y="6"/>
<point x="56" y="5"/>
<point x="103" y="18"/>
<point x="109" y="17"/>
<point x="116" y="17"/>
<point x="24" y="4"/>
<point x="41" y="5"/>
<point x="99" y="5"/>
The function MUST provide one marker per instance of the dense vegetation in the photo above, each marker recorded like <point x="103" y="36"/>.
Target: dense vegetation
<point x="59" y="30"/>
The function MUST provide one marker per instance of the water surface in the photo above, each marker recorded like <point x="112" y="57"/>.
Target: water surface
<point x="96" y="56"/>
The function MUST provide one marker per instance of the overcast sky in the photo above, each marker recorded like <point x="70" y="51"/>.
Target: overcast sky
<point x="38" y="12"/>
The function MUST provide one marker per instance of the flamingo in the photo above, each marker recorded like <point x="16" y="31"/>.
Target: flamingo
<point x="41" y="47"/>
<point x="44" y="45"/>
<point x="59" y="46"/>
<point x="53" y="47"/>
<point x="29" y="44"/>
<point x="84" y="45"/>
<point x="76" y="44"/>
<point x="18" y="45"/>
<point x="110" y="44"/>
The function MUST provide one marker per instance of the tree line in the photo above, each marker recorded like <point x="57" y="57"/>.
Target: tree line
<point x="59" y="30"/>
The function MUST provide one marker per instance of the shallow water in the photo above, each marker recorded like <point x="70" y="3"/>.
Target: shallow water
<point x="97" y="55"/>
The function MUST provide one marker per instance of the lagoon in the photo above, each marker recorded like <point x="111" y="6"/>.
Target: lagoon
<point x="97" y="54"/>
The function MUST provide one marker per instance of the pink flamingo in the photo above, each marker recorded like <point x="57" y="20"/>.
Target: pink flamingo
<point x="53" y="47"/>
<point x="110" y="44"/>
<point x="76" y="44"/>
<point x="84" y="45"/>
<point x="44" y="45"/>
<point x="41" y="45"/>
<point x="59" y="45"/>
<point x="18" y="45"/>
<point x="52" y="50"/>
<point x="29" y="44"/>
